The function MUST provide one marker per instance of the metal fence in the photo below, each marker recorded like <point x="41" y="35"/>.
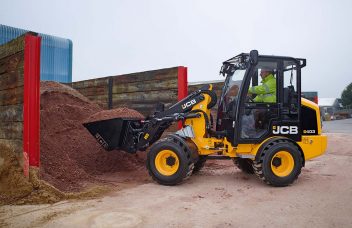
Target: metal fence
<point x="55" y="54"/>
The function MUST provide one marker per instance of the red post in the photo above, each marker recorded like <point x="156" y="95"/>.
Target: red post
<point x="31" y="106"/>
<point x="182" y="86"/>
<point x="316" y="99"/>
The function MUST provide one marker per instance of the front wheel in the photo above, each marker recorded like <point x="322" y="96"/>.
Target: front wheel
<point x="280" y="163"/>
<point x="169" y="162"/>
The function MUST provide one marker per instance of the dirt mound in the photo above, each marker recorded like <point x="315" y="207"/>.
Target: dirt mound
<point x="13" y="184"/>
<point x="50" y="86"/>
<point x="115" y="113"/>
<point x="15" y="188"/>
<point x="71" y="159"/>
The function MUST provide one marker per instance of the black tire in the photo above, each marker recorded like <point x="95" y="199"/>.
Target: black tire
<point x="265" y="167"/>
<point x="185" y="161"/>
<point x="244" y="164"/>
<point x="200" y="163"/>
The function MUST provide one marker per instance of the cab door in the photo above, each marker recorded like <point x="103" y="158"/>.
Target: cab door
<point x="257" y="112"/>
<point x="290" y="100"/>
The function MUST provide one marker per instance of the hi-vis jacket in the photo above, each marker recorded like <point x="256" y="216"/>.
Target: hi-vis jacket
<point x="265" y="92"/>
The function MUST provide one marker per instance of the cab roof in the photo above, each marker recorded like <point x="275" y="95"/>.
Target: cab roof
<point x="244" y="57"/>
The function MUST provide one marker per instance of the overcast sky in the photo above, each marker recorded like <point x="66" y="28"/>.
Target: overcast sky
<point x="126" y="36"/>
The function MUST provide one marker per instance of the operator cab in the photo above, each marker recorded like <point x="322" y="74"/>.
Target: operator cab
<point x="251" y="118"/>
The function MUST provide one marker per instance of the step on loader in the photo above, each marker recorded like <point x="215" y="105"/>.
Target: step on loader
<point x="267" y="129"/>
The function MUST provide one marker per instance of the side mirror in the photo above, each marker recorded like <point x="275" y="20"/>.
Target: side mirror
<point x="253" y="57"/>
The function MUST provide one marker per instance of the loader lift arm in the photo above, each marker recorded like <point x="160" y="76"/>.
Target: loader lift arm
<point x="132" y="135"/>
<point x="156" y="124"/>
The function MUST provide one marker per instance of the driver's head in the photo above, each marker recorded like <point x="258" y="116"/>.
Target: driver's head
<point x="265" y="72"/>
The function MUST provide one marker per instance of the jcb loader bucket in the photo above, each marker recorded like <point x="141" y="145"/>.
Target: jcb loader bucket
<point x="115" y="133"/>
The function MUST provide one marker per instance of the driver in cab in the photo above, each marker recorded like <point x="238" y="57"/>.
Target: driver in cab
<point x="266" y="92"/>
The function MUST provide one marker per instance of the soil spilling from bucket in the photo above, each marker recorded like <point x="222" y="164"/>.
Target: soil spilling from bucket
<point x="115" y="113"/>
<point x="71" y="159"/>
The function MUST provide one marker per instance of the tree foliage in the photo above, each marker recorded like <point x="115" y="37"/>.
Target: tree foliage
<point x="346" y="95"/>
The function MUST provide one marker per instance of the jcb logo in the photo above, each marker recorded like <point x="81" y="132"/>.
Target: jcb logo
<point x="285" y="130"/>
<point x="101" y="140"/>
<point x="188" y="104"/>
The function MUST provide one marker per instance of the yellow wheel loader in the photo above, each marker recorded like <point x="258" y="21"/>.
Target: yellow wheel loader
<point x="269" y="139"/>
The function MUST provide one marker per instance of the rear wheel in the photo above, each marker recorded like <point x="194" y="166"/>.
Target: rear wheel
<point x="169" y="161"/>
<point x="244" y="164"/>
<point x="280" y="163"/>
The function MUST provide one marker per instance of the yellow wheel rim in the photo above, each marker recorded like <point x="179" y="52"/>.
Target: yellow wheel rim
<point x="166" y="162"/>
<point x="282" y="164"/>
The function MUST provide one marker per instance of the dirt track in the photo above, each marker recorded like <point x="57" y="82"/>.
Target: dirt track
<point x="220" y="196"/>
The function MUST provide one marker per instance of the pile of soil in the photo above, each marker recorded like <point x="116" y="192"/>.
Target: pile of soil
<point x="15" y="188"/>
<point x="13" y="184"/>
<point x="71" y="159"/>
<point x="50" y="86"/>
<point x="115" y="113"/>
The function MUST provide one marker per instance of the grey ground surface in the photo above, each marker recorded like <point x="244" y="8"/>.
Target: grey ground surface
<point x="338" y="126"/>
